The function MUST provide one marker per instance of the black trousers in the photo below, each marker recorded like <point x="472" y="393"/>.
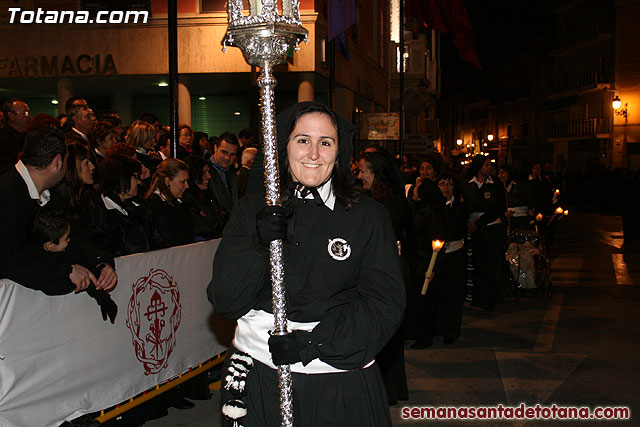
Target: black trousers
<point x="353" y="398"/>
<point x="488" y="257"/>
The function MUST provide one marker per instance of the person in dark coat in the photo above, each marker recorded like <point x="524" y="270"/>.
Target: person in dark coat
<point x="24" y="190"/>
<point x="520" y="201"/>
<point x="224" y="181"/>
<point x="207" y="216"/>
<point x="485" y="202"/>
<point x="377" y="172"/>
<point x="127" y="220"/>
<point x="443" y="303"/>
<point x="345" y="292"/>
<point x="170" y="217"/>
<point x="17" y="116"/>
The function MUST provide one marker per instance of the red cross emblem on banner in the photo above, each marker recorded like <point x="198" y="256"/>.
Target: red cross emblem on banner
<point x="153" y="317"/>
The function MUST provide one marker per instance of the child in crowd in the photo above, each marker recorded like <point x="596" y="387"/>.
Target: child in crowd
<point x="51" y="229"/>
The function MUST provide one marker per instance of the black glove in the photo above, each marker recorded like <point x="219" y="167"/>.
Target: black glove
<point x="292" y="348"/>
<point x="271" y="223"/>
<point x="108" y="307"/>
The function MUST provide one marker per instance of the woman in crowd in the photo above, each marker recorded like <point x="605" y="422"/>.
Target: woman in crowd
<point x="345" y="293"/>
<point x="76" y="197"/>
<point x="207" y="216"/>
<point x="201" y="146"/>
<point x="142" y="136"/>
<point x="127" y="220"/>
<point x="519" y="198"/>
<point x="445" y="293"/>
<point x="185" y="141"/>
<point x="377" y="172"/>
<point x="101" y="138"/>
<point x="170" y="217"/>
<point x="429" y="169"/>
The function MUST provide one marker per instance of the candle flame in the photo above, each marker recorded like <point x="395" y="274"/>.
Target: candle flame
<point x="559" y="210"/>
<point x="539" y="217"/>
<point x="566" y="212"/>
<point x="556" y="192"/>
<point x="436" y="245"/>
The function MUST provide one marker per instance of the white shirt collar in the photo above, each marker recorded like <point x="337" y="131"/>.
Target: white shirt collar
<point x="450" y="201"/>
<point x="162" y="155"/>
<point x="326" y="194"/>
<point x="487" y="180"/>
<point x="164" y="199"/>
<point x="82" y="135"/>
<point x="141" y="150"/>
<point x="110" y="204"/>
<point x="43" y="197"/>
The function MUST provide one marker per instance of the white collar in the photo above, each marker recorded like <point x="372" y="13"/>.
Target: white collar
<point x="450" y="201"/>
<point x="508" y="187"/>
<point x="326" y="194"/>
<point x="110" y="205"/>
<point x="162" y="155"/>
<point x="43" y="197"/>
<point x="164" y="199"/>
<point x="487" y="180"/>
<point x="141" y="150"/>
<point x="82" y="135"/>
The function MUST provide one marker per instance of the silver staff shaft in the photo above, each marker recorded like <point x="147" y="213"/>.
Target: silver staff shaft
<point x="267" y="82"/>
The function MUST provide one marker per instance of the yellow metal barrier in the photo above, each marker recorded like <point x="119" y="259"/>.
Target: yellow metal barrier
<point x="106" y="415"/>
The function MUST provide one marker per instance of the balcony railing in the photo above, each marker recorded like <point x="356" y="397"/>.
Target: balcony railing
<point x="579" y="81"/>
<point x="579" y="128"/>
<point x="575" y="30"/>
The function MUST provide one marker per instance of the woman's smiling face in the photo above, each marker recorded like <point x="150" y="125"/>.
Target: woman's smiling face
<point x="312" y="149"/>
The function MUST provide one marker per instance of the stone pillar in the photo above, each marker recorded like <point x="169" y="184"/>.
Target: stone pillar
<point x="184" y="101"/>
<point x="65" y="91"/>
<point x="305" y="88"/>
<point x="122" y="103"/>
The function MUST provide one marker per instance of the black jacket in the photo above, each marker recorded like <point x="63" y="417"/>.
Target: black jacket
<point x="171" y="222"/>
<point x="20" y="260"/>
<point x="226" y="197"/>
<point x="11" y="143"/>
<point x="131" y="233"/>
<point x="489" y="198"/>
<point x="359" y="301"/>
<point x="207" y="216"/>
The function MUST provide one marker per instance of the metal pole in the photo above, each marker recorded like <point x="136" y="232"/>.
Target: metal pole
<point x="264" y="38"/>
<point x="401" y="81"/>
<point x="172" y="24"/>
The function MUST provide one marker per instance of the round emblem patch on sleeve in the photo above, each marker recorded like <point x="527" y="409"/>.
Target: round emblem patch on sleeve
<point x="339" y="249"/>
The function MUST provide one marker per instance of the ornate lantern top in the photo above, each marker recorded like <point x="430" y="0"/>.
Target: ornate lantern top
<point x="264" y="34"/>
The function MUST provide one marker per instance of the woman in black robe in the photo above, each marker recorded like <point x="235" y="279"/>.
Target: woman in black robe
<point x="345" y="293"/>
<point x="377" y="172"/>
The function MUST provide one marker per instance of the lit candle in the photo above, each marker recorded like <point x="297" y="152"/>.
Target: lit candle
<point x="539" y="217"/>
<point x="436" y="245"/>
<point x="559" y="210"/>
<point x="565" y="213"/>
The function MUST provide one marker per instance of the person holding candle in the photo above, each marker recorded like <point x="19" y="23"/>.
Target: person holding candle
<point x="345" y="292"/>
<point x="443" y="304"/>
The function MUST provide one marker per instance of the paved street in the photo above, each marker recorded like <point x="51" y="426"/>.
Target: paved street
<point x="579" y="347"/>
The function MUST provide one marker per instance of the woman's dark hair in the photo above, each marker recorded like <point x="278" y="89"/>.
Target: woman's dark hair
<point x="196" y="166"/>
<point x="344" y="187"/>
<point x="48" y="225"/>
<point x="71" y="187"/>
<point x="168" y="168"/>
<point x="508" y="169"/>
<point x="385" y="181"/>
<point x="121" y="149"/>
<point x="99" y="132"/>
<point x="115" y="174"/>
<point x="197" y="136"/>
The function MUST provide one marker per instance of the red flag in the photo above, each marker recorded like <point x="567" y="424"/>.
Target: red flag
<point x="450" y="17"/>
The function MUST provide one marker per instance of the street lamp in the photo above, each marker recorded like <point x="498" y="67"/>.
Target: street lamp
<point x="459" y="141"/>
<point x="616" y="104"/>
<point x="490" y="137"/>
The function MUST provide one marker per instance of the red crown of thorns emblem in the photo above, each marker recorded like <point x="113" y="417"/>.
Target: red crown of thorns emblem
<point x="153" y="317"/>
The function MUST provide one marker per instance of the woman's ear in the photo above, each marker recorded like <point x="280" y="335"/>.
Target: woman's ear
<point x="167" y="181"/>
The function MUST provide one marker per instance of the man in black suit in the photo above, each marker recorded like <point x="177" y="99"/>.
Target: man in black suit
<point x="23" y="190"/>
<point x="17" y="116"/>
<point x="224" y="181"/>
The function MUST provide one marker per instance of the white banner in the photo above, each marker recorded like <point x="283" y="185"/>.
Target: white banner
<point x="60" y="360"/>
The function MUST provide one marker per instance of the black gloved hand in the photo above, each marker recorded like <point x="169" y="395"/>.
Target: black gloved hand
<point x="271" y="223"/>
<point x="292" y="348"/>
<point x="109" y="309"/>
